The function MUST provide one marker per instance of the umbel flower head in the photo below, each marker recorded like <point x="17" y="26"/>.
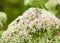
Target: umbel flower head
<point x="29" y="27"/>
<point x="3" y="18"/>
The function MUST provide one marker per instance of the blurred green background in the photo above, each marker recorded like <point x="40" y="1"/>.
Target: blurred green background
<point x="14" y="8"/>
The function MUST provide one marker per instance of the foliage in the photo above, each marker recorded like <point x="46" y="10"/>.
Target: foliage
<point x="34" y="26"/>
<point x="54" y="6"/>
<point x="35" y="3"/>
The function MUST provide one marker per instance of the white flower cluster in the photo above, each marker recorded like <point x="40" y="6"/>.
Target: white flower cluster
<point x="3" y="18"/>
<point x="32" y="20"/>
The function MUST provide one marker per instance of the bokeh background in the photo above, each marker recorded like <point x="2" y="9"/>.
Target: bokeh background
<point x="15" y="8"/>
<point x="12" y="8"/>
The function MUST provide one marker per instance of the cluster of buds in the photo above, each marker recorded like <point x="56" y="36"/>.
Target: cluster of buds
<point x="33" y="20"/>
<point x="3" y="18"/>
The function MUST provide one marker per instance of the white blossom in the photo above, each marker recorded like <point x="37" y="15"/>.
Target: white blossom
<point x="32" y="20"/>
